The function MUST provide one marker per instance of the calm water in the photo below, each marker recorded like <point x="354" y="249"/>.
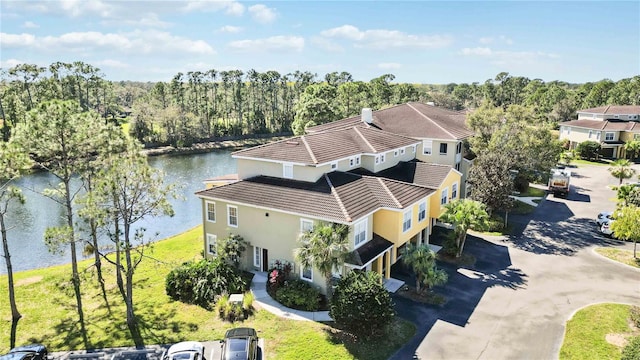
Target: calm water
<point x="26" y="244"/>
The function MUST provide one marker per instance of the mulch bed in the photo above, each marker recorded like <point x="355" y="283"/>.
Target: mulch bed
<point x="425" y="296"/>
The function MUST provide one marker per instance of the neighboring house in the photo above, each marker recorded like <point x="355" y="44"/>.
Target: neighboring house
<point x="441" y="132"/>
<point x="611" y="126"/>
<point x="347" y="176"/>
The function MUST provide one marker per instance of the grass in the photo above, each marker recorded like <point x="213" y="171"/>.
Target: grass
<point x="533" y="192"/>
<point x="45" y="299"/>
<point x="620" y="255"/>
<point x="579" y="162"/>
<point x="585" y="336"/>
<point x="521" y="208"/>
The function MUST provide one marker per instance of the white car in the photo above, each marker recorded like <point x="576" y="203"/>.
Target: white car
<point x="186" y="350"/>
<point x="605" y="228"/>
<point x="603" y="217"/>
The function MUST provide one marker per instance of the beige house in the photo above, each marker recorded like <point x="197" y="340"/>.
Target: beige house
<point x="440" y="132"/>
<point x="611" y="126"/>
<point x="365" y="178"/>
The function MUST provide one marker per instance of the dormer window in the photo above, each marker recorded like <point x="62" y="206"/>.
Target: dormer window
<point x="402" y="151"/>
<point x="334" y="165"/>
<point x="287" y="171"/>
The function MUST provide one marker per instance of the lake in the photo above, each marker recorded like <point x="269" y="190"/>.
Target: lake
<point x="28" y="222"/>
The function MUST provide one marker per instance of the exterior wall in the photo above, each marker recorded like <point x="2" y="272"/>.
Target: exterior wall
<point x="436" y="158"/>
<point x="250" y="168"/>
<point x="626" y="117"/>
<point x="435" y="206"/>
<point x="579" y="135"/>
<point x="391" y="159"/>
<point x="465" y="167"/>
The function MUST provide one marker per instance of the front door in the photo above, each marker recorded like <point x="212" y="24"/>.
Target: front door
<point x="265" y="260"/>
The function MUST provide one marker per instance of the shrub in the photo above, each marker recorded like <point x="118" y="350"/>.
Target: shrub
<point x="280" y="273"/>
<point x="521" y="183"/>
<point x="201" y="282"/>
<point x="634" y="315"/>
<point x="361" y="305"/>
<point x="632" y="350"/>
<point x="234" y="311"/>
<point x="496" y="224"/>
<point x="588" y="150"/>
<point x="298" y="294"/>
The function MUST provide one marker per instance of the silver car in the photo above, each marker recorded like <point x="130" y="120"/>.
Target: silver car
<point x="186" y="350"/>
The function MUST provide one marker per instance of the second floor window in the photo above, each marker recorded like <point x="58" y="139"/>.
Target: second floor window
<point x="211" y="211"/>
<point x="233" y="215"/>
<point x="454" y="191"/>
<point x="287" y="171"/>
<point x="360" y="232"/>
<point x="406" y="221"/>
<point x="459" y="148"/>
<point x="426" y="147"/>
<point x="443" y="196"/>
<point x="609" y="136"/>
<point x="422" y="211"/>
<point x="306" y="225"/>
<point x="443" y="149"/>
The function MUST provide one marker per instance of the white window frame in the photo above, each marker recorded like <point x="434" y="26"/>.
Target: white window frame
<point x="334" y="165"/>
<point x="377" y="160"/>
<point x="212" y="240"/>
<point x="427" y="147"/>
<point x="402" y="151"/>
<point x="459" y="148"/>
<point x="229" y="207"/>
<point x="358" y="160"/>
<point x="302" y="269"/>
<point x="446" y="148"/>
<point x="457" y="166"/>
<point x="287" y="171"/>
<point x="364" y="239"/>
<point x="606" y="136"/>
<point x="454" y="191"/>
<point x="422" y="211"/>
<point x="306" y="225"/>
<point x="444" y="196"/>
<point x="207" y="212"/>
<point x="395" y="153"/>
<point x="257" y="257"/>
<point x="407" y="218"/>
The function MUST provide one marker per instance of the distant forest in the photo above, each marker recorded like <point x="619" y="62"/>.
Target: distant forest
<point x="204" y="106"/>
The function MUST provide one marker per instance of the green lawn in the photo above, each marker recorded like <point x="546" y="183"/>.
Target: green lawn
<point x="45" y="299"/>
<point x="579" y="162"/>
<point x="586" y="331"/>
<point x="620" y="255"/>
<point x="533" y="191"/>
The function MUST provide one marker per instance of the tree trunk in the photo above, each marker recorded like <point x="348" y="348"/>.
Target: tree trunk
<point x="635" y="244"/>
<point x="132" y="323"/>
<point x="418" y="282"/>
<point x="15" y="314"/>
<point x="98" y="263"/>
<point x="463" y="239"/>
<point x="74" y="264"/>
<point x="329" y="287"/>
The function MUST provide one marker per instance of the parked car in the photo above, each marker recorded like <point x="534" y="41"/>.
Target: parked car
<point x="28" y="352"/>
<point x="240" y="344"/>
<point x="603" y="216"/>
<point x="605" y="228"/>
<point x="186" y="350"/>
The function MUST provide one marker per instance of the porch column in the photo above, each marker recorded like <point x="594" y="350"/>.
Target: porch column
<point x="379" y="265"/>
<point x="419" y="239"/>
<point x="387" y="270"/>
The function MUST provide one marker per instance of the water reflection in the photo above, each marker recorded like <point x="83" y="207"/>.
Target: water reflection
<point x="29" y="221"/>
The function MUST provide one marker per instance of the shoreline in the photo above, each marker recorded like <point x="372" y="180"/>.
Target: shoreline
<point x="205" y="147"/>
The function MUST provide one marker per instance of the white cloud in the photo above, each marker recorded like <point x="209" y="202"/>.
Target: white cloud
<point x="230" y="7"/>
<point x="506" y="40"/>
<point x="278" y="43"/>
<point x="150" y="20"/>
<point x="485" y="40"/>
<point x="326" y="44"/>
<point x="110" y="63"/>
<point x="230" y="29"/>
<point x="500" y="57"/>
<point x="30" y="25"/>
<point x="9" y="63"/>
<point x="388" y="66"/>
<point x="147" y="42"/>
<point x="262" y="14"/>
<point x="385" y="39"/>
<point x="489" y="40"/>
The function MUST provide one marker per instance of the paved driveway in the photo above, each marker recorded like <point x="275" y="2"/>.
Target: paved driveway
<point x="513" y="304"/>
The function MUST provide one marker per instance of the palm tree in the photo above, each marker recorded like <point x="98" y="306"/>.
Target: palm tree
<point x="633" y="148"/>
<point x="326" y="247"/>
<point x="423" y="262"/>
<point x="464" y="214"/>
<point x="621" y="169"/>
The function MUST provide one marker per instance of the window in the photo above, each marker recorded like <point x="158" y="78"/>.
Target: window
<point x="598" y="135"/>
<point x="377" y="160"/>
<point x="459" y="148"/>
<point x="233" y="215"/>
<point x="358" y="160"/>
<point x="257" y="257"/>
<point x="211" y="211"/>
<point x="211" y="244"/>
<point x="306" y="225"/>
<point x="287" y="171"/>
<point x="616" y="116"/>
<point x="414" y="149"/>
<point x="422" y="211"/>
<point x="306" y="273"/>
<point x="406" y="220"/>
<point x="454" y="191"/>
<point x="458" y="166"/>
<point x="608" y="136"/>
<point x="402" y="151"/>
<point x="334" y="165"/>
<point x="590" y="132"/>
<point x="354" y="161"/>
<point x="426" y="147"/>
<point x="395" y="153"/>
<point x="360" y="232"/>
<point x="443" y="196"/>
<point x="568" y="130"/>
<point x="380" y="159"/>
<point x="443" y="149"/>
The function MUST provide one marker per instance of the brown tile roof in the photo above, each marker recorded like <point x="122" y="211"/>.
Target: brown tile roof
<point x="319" y="148"/>
<point x="413" y="119"/>
<point x="613" y="110"/>
<point x="337" y="196"/>
<point x="606" y="125"/>
<point x="415" y="172"/>
<point x="369" y="250"/>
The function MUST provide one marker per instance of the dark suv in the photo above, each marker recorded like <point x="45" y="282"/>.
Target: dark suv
<point x="28" y="352"/>
<point x="240" y="344"/>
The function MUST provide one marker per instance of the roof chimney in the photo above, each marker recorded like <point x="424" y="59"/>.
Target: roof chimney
<point x="367" y="115"/>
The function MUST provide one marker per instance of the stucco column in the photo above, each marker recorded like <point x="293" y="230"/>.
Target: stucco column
<point x="379" y="265"/>
<point x="387" y="270"/>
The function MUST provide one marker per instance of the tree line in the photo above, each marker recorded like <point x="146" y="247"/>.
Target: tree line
<point x="205" y="105"/>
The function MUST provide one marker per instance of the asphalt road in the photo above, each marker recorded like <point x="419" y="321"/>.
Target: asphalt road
<point x="515" y="301"/>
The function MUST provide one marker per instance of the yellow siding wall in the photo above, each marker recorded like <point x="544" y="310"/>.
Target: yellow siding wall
<point x="450" y="179"/>
<point x="579" y="135"/>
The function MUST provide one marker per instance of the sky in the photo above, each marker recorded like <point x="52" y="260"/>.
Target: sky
<point x="433" y="42"/>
